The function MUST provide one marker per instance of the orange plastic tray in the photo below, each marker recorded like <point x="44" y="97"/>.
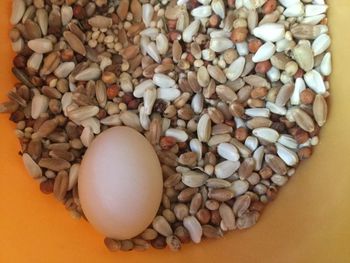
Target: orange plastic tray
<point x="309" y="221"/>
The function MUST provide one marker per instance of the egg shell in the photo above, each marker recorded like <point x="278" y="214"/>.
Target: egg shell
<point x="120" y="183"/>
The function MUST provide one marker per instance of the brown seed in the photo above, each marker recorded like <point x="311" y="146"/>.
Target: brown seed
<point x="266" y="172"/>
<point x="161" y="225"/>
<point x="100" y="22"/>
<point x="214" y="21"/>
<point x="61" y="185"/>
<point x="254" y="44"/>
<point x="173" y="243"/>
<point x="247" y="220"/>
<point x="236" y="109"/>
<point x="112" y="244"/>
<point x="172" y="180"/>
<point x="320" y="110"/>
<point x="221" y="195"/>
<point x="263" y="67"/>
<point x="123" y="9"/>
<point x="196" y="203"/>
<point x="269" y="6"/>
<point x="188" y="159"/>
<point x="239" y="34"/>
<point x="54" y="164"/>
<point x="187" y="194"/>
<point x="303" y="120"/>
<point x="210" y="231"/>
<point x="227" y="216"/>
<point x="241" y="205"/>
<point x="241" y="134"/>
<point x="276" y="164"/>
<point x="35" y="149"/>
<point x="246" y="168"/>
<point x="51" y="62"/>
<point x="46" y="129"/>
<point x="182" y="234"/>
<point x="74" y="42"/>
<point x="307" y="96"/>
<point x="126" y="245"/>
<point x="305" y="153"/>
<point x="159" y="242"/>
<point x="136" y="10"/>
<point x="203" y="215"/>
<point x="8" y="107"/>
<point x="301" y="136"/>
<point x="149" y="234"/>
<point x="130" y="52"/>
<point x="47" y="186"/>
<point x="215" y="218"/>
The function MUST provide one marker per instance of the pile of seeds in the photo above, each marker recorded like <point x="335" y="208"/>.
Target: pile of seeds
<point x="231" y="94"/>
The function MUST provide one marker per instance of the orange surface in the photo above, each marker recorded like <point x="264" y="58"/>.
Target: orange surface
<point x="309" y="221"/>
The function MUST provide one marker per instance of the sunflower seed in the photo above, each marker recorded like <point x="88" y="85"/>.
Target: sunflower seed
<point x="74" y="42"/>
<point x="287" y="155"/>
<point x="279" y="180"/>
<point x="225" y="169"/>
<point x="247" y="220"/>
<point x="40" y="104"/>
<point x="228" y="152"/>
<point x="130" y="119"/>
<point x="18" y="9"/>
<point x="161" y="225"/>
<point x="305" y="31"/>
<point x="303" y="120"/>
<point x="32" y="167"/>
<point x="220" y="44"/>
<point x="147" y="14"/>
<point x="194" y="228"/>
<point x="63" y="70"/>
<point x="227" y="216"/>
<point x="218" y="7"/>
<point x="194" y="179"/>
<point x="190" y="31"/>
<point x="315" y="81"/>
<point x="276" y="164"/>
<point x="321" y="44"/>
<point x="83" y="113"/>
<point x="204" y="128"/>
<point x="87" y="136"/>
<point x="270" y="32"/>
<point x="304" y="56"/>
<point x="320" y="110"/>
<point x="91" y="73"/>
<point x="163" y="81"/>
<point x="201" y="11"/>
<point x="326" y="64"/>
<point x="234" y="71"/>
<point x="54" y="164"/>
<point x="241" y="205"/>
<point x="265" y="52"/>
<point x="168" y="94"/>
<point x="284" y="95"/>
<point x="295" y="10"/>
<point x="314" y="10"/>
<point x="217" y="183"/>
<point x="288" y="141"/>
<point x="239" y="187"/>
<point x="100" y="22"/>
<point x="162" y="43"/>
<point x="40" y="45"/>
<point x="298" y="88"/>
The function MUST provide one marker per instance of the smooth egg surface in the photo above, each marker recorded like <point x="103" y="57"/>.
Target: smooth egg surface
<point x="120" y="183"/>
